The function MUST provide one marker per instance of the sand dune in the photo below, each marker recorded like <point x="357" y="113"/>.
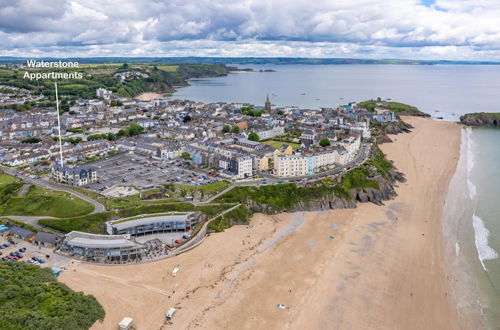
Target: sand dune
<point x="383" y="269"/>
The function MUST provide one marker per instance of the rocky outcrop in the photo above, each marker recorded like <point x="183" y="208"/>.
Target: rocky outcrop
<point x="385" y="192"/>
<point x="397" y="127"/>
<point x="481" y="119"/>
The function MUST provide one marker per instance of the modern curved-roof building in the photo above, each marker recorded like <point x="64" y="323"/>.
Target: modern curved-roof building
<point x="102" y="247"/>
<point x="154" y="223"/>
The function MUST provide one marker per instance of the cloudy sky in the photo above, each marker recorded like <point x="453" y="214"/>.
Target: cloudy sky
<point x="415" y="29"/>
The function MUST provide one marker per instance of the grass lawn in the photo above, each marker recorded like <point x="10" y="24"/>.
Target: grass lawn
<point x="277" y="144"/>
<point x="4" y="179"/>
<point x="44" y="202"/>
<point x="207" y="189"/>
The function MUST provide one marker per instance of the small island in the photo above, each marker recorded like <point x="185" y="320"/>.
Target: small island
<point x="481" y="119"/>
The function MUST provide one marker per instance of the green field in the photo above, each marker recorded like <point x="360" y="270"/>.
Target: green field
<point x="100" y="65"/>
<point x="277" y="144"/>
<point x="168" y="68"/>
<point x="40" y="202"/>
<point x="5" y="179"/>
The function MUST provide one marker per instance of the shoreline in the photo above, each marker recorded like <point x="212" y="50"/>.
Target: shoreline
<point x="463" y="283"/>
<point x="385" y="260"/>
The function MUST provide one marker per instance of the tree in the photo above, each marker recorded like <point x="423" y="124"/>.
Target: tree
<point x="324" y="142"/>
<point x="31" y="140"/>
<point x="226" y="129"/>
<point x="186" y="156"/>
<point x="253" y="137"/>
<point x="134" y="129"/>
<point x="236" y="129"/>
<point x="113" y="103"/>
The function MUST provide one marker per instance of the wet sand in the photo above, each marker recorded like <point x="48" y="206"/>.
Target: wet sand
<point x="383" y="268"/>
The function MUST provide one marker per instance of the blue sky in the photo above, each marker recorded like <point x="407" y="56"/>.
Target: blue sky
<point x="416" y="29"/>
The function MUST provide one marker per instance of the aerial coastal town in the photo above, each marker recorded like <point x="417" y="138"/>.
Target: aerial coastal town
<point x="119" y="147"/>
<point x="110" y="149"/>
<point x="236" y="141"/>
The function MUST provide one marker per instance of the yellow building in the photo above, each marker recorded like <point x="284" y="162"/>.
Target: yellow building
<point x="261" y="163"/>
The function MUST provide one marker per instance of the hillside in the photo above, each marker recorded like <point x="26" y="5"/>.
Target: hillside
<point x="126" y="80"/>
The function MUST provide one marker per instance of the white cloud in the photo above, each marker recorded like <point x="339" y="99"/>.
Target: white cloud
<point x="451" y="29"/>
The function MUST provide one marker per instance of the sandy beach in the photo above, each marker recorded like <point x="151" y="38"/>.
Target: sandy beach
<point x="383" y="269"/>
<point x="148" y="96"/>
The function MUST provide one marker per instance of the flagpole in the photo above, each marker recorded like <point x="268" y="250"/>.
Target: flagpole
<point x="59" y="126"/>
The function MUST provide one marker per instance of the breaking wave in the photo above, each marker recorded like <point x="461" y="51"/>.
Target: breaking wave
<point x="481" y="235"/>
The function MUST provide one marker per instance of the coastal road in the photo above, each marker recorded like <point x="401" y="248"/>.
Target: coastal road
<point x="98" y="207"/>
<point x="360" y="158"/>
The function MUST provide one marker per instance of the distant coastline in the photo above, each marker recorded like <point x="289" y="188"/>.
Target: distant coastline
<point x="254" y="60"/>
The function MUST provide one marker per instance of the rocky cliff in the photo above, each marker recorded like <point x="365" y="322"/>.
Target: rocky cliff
<point x="481" y="119"/>
<point x="385" y="192"/>
<point x="381" y="131"/>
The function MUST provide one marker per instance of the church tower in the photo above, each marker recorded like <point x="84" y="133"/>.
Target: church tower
<point x="267" y="105"/>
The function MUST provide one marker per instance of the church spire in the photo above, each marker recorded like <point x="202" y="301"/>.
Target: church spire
<point x="267" y="105"/>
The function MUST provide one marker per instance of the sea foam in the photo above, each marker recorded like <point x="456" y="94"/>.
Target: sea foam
<point x="482" y="234"/>
<point x="470" y="164"/>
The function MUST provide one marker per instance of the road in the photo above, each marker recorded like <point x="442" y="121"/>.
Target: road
<point x="98" y="207"/>
<point x="33" y="221"/>
<point x="360" y="158"/>
<point x="202" y="233"/>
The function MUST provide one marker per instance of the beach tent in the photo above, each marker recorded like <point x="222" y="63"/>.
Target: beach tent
<point x="56" y="271"/>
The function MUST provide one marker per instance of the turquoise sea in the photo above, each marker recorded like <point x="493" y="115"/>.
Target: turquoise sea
<point x="472" y="212"/>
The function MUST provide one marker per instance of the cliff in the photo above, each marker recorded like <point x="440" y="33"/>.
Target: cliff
<point x="481" y="119"/>
<point x="381" y="130"/>
<point x="384" y="192"/>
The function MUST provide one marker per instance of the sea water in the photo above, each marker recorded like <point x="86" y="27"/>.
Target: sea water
<point x="483" y="215"/>
<point x="472" y="209"/>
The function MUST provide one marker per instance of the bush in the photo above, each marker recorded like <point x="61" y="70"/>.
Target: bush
<point x="32" y="298"/>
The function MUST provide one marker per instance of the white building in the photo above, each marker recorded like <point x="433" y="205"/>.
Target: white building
<point x="271" y="133"/>
<point x="241" y="167"/>
<point x="74" y="176"/>
<point x="104" y="93"/>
